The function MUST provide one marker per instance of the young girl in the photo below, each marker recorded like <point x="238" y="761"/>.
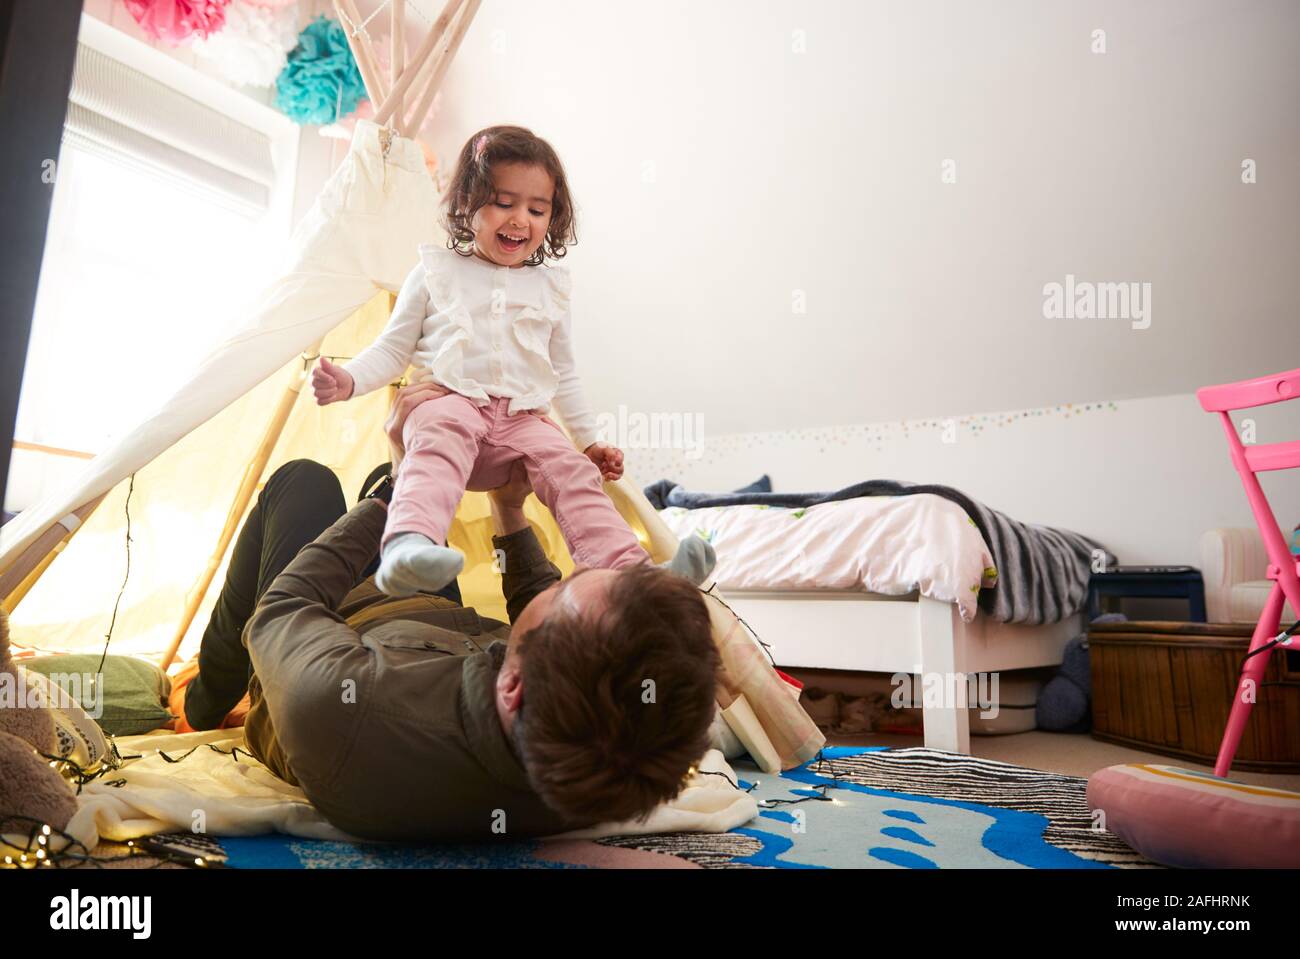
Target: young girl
<point x="486" y="320"/>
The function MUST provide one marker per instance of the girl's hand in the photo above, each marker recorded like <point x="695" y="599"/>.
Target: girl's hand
<point x="609" y="459"/>
<point x="330" y="383"/>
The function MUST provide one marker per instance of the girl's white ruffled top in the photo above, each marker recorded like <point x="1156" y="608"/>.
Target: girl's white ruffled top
<point x="483" y="330"/>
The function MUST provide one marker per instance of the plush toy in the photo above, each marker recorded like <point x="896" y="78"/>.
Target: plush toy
<point x="1064" y="703"/>
<point x="24" y="711"/>
<point x="31" y="790"/>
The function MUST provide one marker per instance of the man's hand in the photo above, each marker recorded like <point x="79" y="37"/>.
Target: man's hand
<point x="515" y="491"/>
<point x="508" y="501"/>
<point x="330" y="383"/>
<point x="408" y="398"/>
<point x="609" y="459"/>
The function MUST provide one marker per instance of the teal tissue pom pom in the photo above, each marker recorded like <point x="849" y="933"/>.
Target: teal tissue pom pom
<point x="321" y="82"/>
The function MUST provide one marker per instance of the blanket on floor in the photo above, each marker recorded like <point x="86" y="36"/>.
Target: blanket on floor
<point x="207" y="782"/>
<point x="1042" y="572"/>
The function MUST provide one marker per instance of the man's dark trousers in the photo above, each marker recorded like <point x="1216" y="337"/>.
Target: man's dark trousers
<point x="300" y="501"/>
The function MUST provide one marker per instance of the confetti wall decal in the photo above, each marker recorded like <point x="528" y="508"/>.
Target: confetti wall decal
<point x="650" y="464"/>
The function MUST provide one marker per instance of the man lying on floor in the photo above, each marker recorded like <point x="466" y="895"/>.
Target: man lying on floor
<point x="418" y="719"/>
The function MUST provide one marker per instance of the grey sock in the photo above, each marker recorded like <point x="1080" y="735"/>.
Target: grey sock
<point x="694" y="560"/>
<point x="411" y="562"/>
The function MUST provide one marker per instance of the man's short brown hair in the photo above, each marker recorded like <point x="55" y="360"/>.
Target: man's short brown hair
<point x="617" y="706"/>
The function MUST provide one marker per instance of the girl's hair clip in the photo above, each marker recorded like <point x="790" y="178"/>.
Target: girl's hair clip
<point x="479" y="146"/>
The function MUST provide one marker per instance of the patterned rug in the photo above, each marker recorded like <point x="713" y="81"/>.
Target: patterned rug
<point x="852" y="807"/>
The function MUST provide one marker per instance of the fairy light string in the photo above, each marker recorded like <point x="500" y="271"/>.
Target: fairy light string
<point x="80" y="775"/>
<point x="35" y="849"/>
<point x="233" y="752"/>
<point x="758" y="639"/>
<point x="821" y="791"/>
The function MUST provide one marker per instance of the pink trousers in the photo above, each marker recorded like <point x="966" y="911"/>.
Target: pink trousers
<point x="453" y="445"/>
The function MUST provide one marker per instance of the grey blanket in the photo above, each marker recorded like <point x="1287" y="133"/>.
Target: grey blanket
<point x="1042" y="572"/>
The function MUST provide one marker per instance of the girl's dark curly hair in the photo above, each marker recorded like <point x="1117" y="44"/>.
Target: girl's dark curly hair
<point x="471" y="188"/>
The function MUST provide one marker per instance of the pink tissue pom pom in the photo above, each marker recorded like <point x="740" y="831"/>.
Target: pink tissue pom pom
<point x="174" y="21"/>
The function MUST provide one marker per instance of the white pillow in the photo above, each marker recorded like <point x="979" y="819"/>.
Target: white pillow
<point x="79" y="737"/>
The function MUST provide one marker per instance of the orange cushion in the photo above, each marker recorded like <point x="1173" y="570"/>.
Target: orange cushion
<point x="176" y="701"/>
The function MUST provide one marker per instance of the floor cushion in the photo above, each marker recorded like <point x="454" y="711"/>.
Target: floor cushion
<point x="1180" y="817"/>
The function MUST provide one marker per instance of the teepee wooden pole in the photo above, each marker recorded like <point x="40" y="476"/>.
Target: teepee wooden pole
<point x="244" y="495"/>
<point x="22" y="574"/>
<point x="419" y="81"/>
<point x="346" y="11"/>
<point x="367" y="51"/>
<point x="397" y="50"/>
<point x="421" y="59"/>
<point x="445" y="55"/>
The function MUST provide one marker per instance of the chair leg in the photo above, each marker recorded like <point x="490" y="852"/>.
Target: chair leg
<point x="1253" y="673"/>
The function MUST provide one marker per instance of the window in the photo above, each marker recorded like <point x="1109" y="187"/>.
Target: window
<point x="157" y="244"/>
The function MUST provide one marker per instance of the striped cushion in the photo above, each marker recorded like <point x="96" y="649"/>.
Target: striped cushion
<point x="1184" y="818"/>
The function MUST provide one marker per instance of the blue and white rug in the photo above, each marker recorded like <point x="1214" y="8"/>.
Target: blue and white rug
<point x="851" y="808"/>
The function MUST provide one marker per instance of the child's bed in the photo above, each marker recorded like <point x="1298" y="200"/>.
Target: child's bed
<point x="914" y="634"/>
<point x="874" y="584"/>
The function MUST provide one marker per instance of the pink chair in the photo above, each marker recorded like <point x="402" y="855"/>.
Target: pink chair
<point x="1284" y="569"/>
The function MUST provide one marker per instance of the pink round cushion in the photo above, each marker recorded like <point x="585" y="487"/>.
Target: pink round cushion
<point x="1179" y="817"/>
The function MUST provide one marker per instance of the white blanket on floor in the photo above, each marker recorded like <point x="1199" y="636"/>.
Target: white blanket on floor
<point x="216" y="793"/>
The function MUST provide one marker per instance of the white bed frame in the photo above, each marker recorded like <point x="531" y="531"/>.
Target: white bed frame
<point x="868" y="632"/>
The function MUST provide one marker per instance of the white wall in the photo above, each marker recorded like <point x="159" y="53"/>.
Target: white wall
<point x="776" y="171"/>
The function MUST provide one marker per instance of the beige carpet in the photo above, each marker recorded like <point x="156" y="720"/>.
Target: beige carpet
<point x="1073" y="754"/>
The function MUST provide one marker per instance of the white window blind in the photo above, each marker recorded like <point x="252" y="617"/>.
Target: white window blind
<point x="120" y="113"/>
